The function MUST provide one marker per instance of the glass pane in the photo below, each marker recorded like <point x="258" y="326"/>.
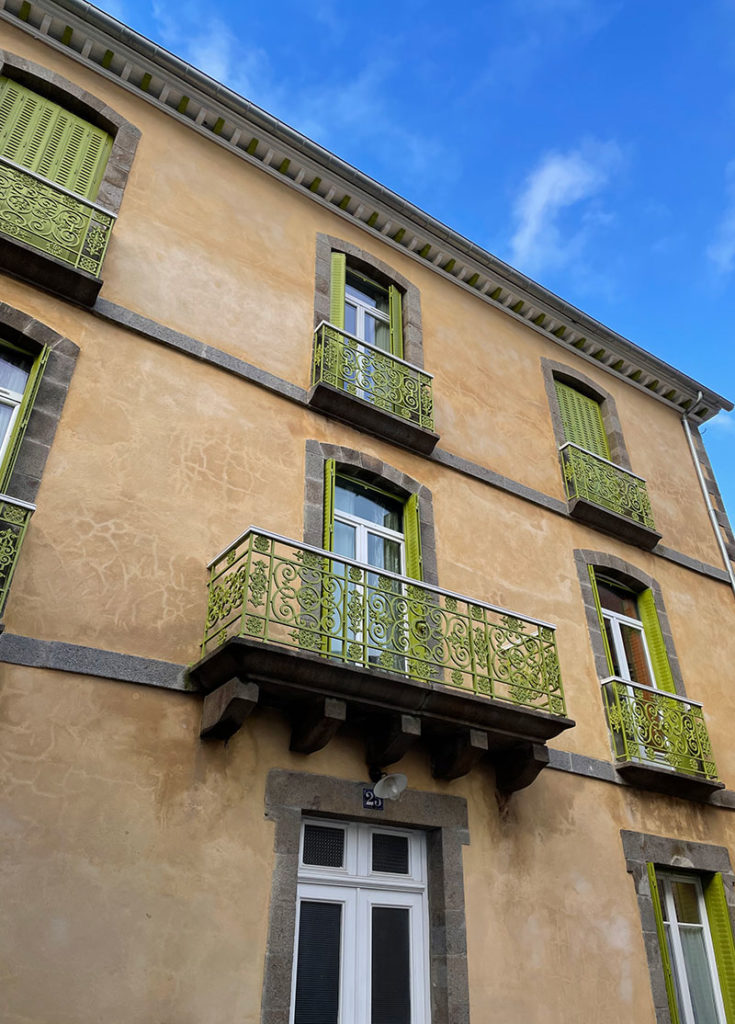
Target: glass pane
<point x="391" y="975"/>
<point x="324" y="846"/>
<point x="350" y="318"/>
<point x="6" y="414"/>
<point x="612" y="646"/>
<point x="686" y="902"/>
<point x="317" y="967"/>
<point x="617" y="599"/>
<point x="698" y="975"/>
<point x="390" y="853"/>
<point x="344" y="540"/>
<point x="377" y="332"/>
<point x="367" y="292"/>
<point x="15" y="368"/>
<point x="384" y="553"/>
<point x="367" y="504"/>
<point x="635" y="653"/>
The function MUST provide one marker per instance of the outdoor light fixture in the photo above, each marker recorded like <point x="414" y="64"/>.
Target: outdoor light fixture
<point x="390" y="787"/>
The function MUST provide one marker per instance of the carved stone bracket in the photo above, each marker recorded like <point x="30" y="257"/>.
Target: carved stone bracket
<point x="316" y="724"/>
<point x="517" y="768"/>
<point x="456" y="754"/>
<point x="388" y="739"/>
<point x="226" y="708"/>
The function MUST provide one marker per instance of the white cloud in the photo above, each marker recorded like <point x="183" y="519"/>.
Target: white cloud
<point x="723" y="423"/>
<point x="561" y="181"/>
<point x="721" y="250"/>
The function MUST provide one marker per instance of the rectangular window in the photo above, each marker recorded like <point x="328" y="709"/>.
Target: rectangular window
<point x="361" y="949"/>
<point x="696" y="945"/>
<point x="20" y="376"/>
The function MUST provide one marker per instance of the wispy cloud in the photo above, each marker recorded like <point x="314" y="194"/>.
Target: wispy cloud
<point x="723" y="424"/>
<point x="721" y="251"/>
<point x="544" y="238"/>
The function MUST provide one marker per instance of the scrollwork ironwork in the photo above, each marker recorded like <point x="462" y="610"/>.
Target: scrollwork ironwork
<point x="594" y="479"/>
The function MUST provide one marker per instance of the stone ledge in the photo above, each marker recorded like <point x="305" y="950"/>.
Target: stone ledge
<point x="611" y="522"/>
<point x="29" y="264"/>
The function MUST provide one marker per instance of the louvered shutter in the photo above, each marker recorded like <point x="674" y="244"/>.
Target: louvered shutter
<point x="329" y="474"/>
<point x="663" y="946"/>
<point x="412" y="534"/>
<point x="582" y="419"/>
<point x="655" y="641"/>
<point x="722" y="941"/>
<point x="43" y="137"/>
<point x="598" y="607"/>
<point x="337" y="283"/>
<point x="395" y="306"/>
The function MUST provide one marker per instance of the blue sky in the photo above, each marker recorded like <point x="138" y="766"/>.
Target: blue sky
<point x="589" y="143"/>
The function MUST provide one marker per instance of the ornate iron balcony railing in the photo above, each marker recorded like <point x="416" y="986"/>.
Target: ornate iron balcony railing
<point x="363" y="370"/>
<point x="52" y="219"/>
<point x="603" y="482"/>
<point x="14" y="518"/>
<point x="653" y="727"/>
<point x="277" y="591"/>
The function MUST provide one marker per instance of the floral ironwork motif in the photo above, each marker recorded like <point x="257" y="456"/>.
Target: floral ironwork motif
<point x="658" y="728"/>
<point x="14" y="520"/>
<point x="588" y="476"/>
<point x="42" y="215"/>
<point x="281" y="593"/>
<point x="375" y="376"/>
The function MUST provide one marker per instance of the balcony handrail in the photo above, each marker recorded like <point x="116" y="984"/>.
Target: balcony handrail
<point x="601" y="458"/>
<point x="58" y="188"/>
<point x="18" y="501"/>
<point x="372" y="568"/>
<point x="374" y="348"/>
<point x="652" y="689"/>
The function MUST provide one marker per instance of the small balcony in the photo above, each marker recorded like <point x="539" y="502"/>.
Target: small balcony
<point x="52" y="237"/>
<point x="372" y="389"/>
<point x="608" y="496"/>
<point x="334" y="643"/>
<point x="14" y="518"/>
<point x="660" y="740"/>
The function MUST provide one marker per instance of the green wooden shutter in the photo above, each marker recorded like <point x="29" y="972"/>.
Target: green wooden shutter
<point x="329" y="474"/>
<point x="395" y="306"/>
<point x="582" y="419"/>
<point x="412" y="533"/>
<point x="337" y="290"/>
<point x="722" y="941"/>
<point x="24" y="414"/>
<point x="598" y="607"/>
<point x="45" y="138"/>
<point x="663" y="946"/>
<point x="655" y="642"/>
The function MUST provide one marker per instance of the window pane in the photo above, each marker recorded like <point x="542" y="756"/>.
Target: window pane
<point x="350" y="318"/>
<point x="6" y="414"/>
<point x="317" y="970"/>
<point x="367" y="292"/>
<point x="344" y="539"/>
<point x="324" y="846"/>
<point x="15" y="368"/>
<point x="613" y="647"/>
<point x="384" y="553"/>
<point x="377" y="332"/>
<point x="698" y="975"/>
<point x="617" y="599"/>
<point x="367" y="504"/>
<point x="391" y="976"/>
<point x="686" y="902"/>
<point x="390" y="853"/>
<point x="635" y="654"/>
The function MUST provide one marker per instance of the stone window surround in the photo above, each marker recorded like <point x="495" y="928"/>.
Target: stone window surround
<point x="371" y="470"/>
<point x="54" y="87"/>
<point x="552" y="371"/>
<point x="641" y="849"/>
<point x="633" y="577"/>
<point x="381" y="272"/>
<point x="291" y="795"/>
<point x="23" y="330"/>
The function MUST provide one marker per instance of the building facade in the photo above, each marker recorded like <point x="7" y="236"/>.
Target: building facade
<point x="300" y="489"/>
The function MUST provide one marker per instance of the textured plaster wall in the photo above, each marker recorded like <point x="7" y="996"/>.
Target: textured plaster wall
<point x="149" y="860"/>
<point x="228" y="257"/>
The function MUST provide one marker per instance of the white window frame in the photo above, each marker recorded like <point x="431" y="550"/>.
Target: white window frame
<point x="678" y="963"/>
<point x="357" y="888"/>
<point x="616" y="619"/>
<point x="364" y="309"/>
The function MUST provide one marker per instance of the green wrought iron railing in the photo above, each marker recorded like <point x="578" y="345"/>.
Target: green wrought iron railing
<point x="596" y="479"/>
<point x="14" y="518"/>
<point x="653" y="727"/>
<point x="384" y="380"/>
<point x="278" y="591"/>
<point x="52" y="219"/>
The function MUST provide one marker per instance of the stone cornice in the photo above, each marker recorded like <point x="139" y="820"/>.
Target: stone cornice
<point x="93" y="38"/>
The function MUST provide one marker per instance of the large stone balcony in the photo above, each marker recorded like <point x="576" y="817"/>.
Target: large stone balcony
<point x="659" y="739"/>
<point x="608" y="496"/>
<point x="372" y="389"/>
<point x="52" y="236"/>
<point x="337" y="644"/>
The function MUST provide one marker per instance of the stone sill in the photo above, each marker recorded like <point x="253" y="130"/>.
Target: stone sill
<point x="386" y="709"/>
<point x="611" y="522"/>
<point x="663" y="780"/>
<point x="358" y="412"/>
<point x="29" y="264"/>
